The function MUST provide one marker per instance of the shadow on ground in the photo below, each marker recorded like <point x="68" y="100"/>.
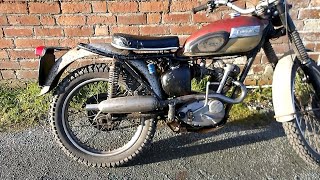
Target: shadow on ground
<point x="243" y="132"/>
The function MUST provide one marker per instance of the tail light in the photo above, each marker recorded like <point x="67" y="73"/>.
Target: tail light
<point x="40" y="50"/>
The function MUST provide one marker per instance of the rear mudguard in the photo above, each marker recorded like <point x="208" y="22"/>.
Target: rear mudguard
<point x="282" y="95"/>
<point x="51" y="79"/>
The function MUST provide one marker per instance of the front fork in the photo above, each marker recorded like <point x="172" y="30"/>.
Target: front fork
<point x="308" y="65"/>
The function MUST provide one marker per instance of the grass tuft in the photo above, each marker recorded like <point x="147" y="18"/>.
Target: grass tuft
<point x="22" y="107"/>
<point x="256" y="110"/>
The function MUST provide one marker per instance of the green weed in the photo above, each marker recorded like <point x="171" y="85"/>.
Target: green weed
<point x="242" y="114"/>
<point x="22" y="107"/>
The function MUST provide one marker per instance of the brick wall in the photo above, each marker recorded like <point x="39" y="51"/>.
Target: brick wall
<point x="27" y="24"/>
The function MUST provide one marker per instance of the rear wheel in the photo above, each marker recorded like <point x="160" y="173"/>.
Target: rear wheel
<point x="304" y="131"/>
<point x="92" y="138"/>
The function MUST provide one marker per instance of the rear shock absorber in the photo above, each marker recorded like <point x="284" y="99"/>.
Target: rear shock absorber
<point x="114" y="73"/>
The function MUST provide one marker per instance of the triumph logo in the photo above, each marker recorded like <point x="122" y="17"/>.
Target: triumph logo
<point x="246" y="31"/>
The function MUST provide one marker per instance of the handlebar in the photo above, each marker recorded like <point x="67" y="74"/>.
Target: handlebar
<point x="199" y="8"/>
<point x="215" y="3"/>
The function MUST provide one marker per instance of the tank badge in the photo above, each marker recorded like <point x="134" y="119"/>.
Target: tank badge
<point x="246" y="31"/>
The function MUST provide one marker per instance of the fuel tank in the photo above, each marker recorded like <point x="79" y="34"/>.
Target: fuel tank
<point x="228" y="36"/>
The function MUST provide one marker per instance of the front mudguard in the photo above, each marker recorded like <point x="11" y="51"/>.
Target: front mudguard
<point x="282" y="92"/>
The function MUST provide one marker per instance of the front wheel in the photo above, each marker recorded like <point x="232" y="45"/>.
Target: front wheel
<point x="90" y="137"/>
<point x="304" y="131"/>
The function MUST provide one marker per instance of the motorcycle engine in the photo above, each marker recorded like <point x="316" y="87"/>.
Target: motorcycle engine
<point x="199" y="114"/>
<point x="176" y="81"/>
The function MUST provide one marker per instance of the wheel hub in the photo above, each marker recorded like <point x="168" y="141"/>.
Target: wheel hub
<point x="104" y="122"/>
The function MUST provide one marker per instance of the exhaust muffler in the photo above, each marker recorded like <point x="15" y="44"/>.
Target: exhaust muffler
<point x="123" y="105"/>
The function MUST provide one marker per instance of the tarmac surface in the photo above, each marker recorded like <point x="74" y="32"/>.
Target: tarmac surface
<point x="229" y="153"/>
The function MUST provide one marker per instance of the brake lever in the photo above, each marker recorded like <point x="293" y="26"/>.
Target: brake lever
<point x="211" y="7"/>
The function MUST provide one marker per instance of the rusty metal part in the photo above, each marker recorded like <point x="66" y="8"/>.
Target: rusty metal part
<point x="174" y="126"/>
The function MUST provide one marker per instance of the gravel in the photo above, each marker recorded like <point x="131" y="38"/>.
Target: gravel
<point x="232" y="152"/>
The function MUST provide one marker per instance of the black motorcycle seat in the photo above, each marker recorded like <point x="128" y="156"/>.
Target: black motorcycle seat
<point x="144" y="43"/>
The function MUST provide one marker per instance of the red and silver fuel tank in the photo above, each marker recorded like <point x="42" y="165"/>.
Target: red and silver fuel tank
<point x="228" y="36"/>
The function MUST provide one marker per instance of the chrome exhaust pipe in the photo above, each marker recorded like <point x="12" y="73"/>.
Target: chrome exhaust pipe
<point x="128" y="104"/>
<point x="131" y="104"/>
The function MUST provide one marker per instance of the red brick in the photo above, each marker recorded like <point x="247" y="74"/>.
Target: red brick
<point x="153" y="6"/>
<point x="101" y="19"/>
<point x="241" y="4"/>
<point x="122" y="7"/>
<point x="185" y="29"/>
<point x="51" y="42"/>
<point x="71" y="20"/>
<point x="309" y="14"/>
<point x="47" y="20"/>
<point x="187" y="5"/>
<point x="3" y="54"/>
<point x="300" y="4"/>
<point x="78" y="31"/>
<point x="317" y="48"/>
<point x="16" y="8"/>
<point x="280" y="48"/>
<point x="176" y="18"/>
<point x="100" y="40"/>
<point x="201" y="17"/>
<point x="44" y="8"/>
<point x="182" y="39"/>
<point x="154" y="30"/>
<point x="315" y="3"/>
<point x="310" y="46"/>
<point x="3" y="20"/>
<point x="72" y="42"/>
<point x="29" y="64"/>
<point x="27" y="74"/>
<point x="24" y="20"/>
<point x="294" y="13"/>
<point x="28" y="43"/>
<point x="258" y="69"/>
<point x="101" y="30"/>
<point x="312" y="36"/>
<point x="9" y="65"/>
<point x="52" y="31"/>
<point x="99" y="6"/>
<point x="76" y="7"/>
<point x="13" y="31"/>
<point x="18" y="54"/>
<point x="132" y="19"/>
<point x="153" y="18"/>
<point x="6" y="43"/>
<point x="8" y="74"/>
<point x="257" y="60"/>
<point x="124" y="29"/>
<point x="314" y="56"/>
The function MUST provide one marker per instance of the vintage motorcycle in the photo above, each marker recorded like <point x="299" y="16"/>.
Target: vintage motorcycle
<point x="105" y="114"/>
